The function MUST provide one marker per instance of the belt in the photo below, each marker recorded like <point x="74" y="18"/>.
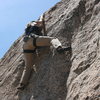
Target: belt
<point x="29" y="51"/>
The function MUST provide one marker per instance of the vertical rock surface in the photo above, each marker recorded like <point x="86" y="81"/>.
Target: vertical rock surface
<point x="74" y="75"/>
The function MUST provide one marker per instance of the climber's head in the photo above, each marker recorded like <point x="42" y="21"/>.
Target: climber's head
<point x="37" y="23"/>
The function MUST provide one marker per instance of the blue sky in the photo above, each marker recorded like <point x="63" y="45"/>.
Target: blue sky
<point x="15" y="14"/>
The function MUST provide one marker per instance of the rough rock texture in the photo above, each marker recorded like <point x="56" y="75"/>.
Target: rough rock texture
<point x="74" y="75"/>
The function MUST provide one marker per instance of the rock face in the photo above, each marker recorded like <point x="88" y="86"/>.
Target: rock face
<point x="74" y="75"/>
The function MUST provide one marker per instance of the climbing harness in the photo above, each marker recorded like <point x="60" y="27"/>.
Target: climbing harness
<point x="33" y="32"/>
<point x="29" y="51"/>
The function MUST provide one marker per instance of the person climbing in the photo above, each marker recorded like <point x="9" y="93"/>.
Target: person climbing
<point x="33" y="38"/>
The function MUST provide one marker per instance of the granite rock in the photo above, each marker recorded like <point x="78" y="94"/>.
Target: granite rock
<point x="73" y="75"/>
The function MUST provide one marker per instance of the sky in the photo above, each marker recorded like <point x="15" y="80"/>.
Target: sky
<point x="15" y="14"/>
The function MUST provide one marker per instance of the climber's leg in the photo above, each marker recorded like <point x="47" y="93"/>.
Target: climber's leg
<point x="28" y="45"/>
<point x="29" y="61"/>
<point x="47" y="41"/>
<point x="27" y="70"/>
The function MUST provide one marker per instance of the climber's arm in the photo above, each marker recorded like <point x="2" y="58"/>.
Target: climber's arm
<point x="42" y="19"/>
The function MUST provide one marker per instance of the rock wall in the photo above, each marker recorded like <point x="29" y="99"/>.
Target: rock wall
<point x="74" y="75"/>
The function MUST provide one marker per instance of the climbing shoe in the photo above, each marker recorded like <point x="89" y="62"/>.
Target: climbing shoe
<point x="63" y="49"/>
<point x="21" y="87"/>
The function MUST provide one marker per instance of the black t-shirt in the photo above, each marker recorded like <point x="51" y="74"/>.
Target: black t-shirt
<point x="33" y="30"/>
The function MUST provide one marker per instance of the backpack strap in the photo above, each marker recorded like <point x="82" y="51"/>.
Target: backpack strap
<point x="34" y="42"/>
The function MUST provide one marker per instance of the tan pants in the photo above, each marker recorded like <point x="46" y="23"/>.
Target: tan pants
<point x="29" y="60"/>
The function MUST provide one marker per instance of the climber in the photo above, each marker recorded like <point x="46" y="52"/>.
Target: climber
<point x="33" y="38"/>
